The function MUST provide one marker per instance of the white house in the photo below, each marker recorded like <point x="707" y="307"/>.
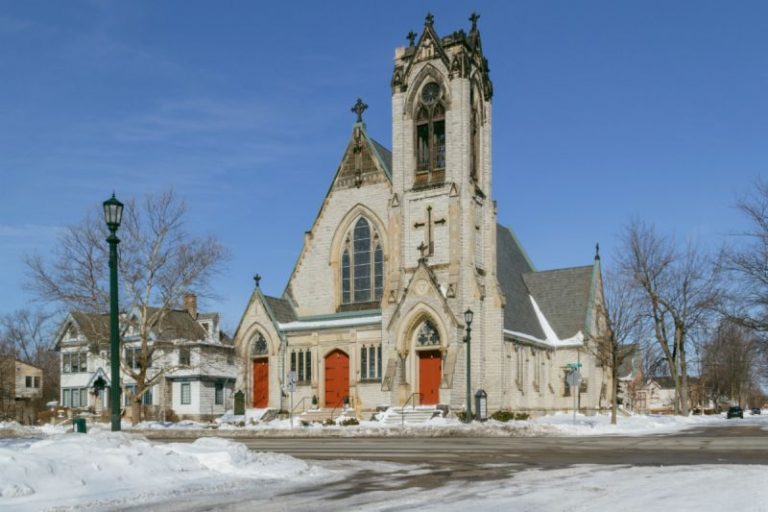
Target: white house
<point x="196" y="358"/>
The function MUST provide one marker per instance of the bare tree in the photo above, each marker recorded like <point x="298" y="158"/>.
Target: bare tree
<point x="678" y="290"/>
<point x="624" y="321"/>
<point x="731" y="363"/>
<point x="747" y="264"/>
<point x="159" y="263"/>
<point x="25" y="335"/>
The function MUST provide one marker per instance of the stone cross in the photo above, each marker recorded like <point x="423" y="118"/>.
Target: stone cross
<point x="411" y="37"/>
<point x="429" y="241"/>
<point x="257" y="278"/>
<point x="429" y="20"/>
<point x="358" y="109"/>
<point x="473" y="18"/>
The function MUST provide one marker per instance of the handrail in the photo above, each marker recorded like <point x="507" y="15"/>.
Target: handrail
<point x="298" y="404"/>
<point x="344" y="400"/>
<point x="402" y="410"/>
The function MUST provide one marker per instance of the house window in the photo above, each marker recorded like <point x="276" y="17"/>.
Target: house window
<point x="74" y="362"/>
<point x="520" y="369"/>
<point x="37" y="382"/>
<point x="133" y="357"/>
<point x="76" y="397"/>
<point x="301" y="365"/>
<point x="362" y="265"/>
<point x="430" y="137"/>
<point x="186" y="393"/>
<point x="66" y="397"/>
<point x="29" y="381"/>
<point x="130" y="391"/>
<point x="184" y="356"/>
<point x="566" y="386"/>
<point x="584" y="386"/>
<point x="146" y="399"/>
<point x="536" y="370"/>
<point x="370" y="363"/>
<point x="218" y="398"/>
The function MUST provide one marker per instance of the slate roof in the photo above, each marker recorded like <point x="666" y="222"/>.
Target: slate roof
<point x="177" y="324"/>
<point x="385" y="157"/>
<point x="95" y="327"/>
<point x="563" y="297"/>
<point x="512" y="263"/>
<point x="281" y="308"/>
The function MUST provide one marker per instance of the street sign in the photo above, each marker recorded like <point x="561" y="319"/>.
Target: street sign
<point x="573" y="366"/>
<point x="573" y="379"/>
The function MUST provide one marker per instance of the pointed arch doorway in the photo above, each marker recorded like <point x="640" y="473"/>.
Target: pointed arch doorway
<point x="430" y="362"/>
<point x="336" y="378"/>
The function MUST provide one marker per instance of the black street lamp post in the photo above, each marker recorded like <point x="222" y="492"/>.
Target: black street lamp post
<point x="468" y="340"/>
<point x="113" y="213"/>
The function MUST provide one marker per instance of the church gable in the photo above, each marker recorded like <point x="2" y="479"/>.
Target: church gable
<point x="365" y="162"/>
<point x="563" y="296"/>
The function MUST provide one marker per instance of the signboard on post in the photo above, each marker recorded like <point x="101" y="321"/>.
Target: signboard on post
<point x="291" y="384"/>
<point x="574" y="379"/>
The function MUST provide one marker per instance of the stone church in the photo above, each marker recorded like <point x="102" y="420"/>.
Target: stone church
<point x="405" y="242"/>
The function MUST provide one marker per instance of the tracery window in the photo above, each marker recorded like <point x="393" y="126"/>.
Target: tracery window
<point x="259" y="345"/>
<point x="362" y="265"/>
<point x="430" y="137"/>
<point x="428" y="335"/>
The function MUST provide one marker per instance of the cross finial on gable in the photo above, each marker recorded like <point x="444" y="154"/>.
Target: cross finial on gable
<point x="429" y="20"/>
<point x="424" y="250"/>
<point x="597" y="251"/>
<point x="256" y="279"/>
<point x="358" y="109"/>
<point x="473" y="18"/>
<point x="411" y="37"/>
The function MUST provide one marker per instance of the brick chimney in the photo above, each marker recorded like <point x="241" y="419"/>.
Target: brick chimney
<point x="190" y="304"/>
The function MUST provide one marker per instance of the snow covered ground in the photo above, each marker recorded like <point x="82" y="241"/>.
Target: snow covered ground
<point x="44" y="468"/>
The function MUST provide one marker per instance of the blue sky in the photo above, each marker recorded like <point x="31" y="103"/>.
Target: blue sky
<point x="602" y="111"/>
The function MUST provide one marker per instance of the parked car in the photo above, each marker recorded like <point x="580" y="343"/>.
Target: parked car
<point x="735" y="412"/>
<point x="755" y="410"/>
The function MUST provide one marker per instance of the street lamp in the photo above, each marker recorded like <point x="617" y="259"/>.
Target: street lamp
<point x="113" y="214"/>
<point x="468" y="339"/>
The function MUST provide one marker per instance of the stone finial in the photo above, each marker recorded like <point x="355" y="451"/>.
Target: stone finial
<point x="429" y="19"/>
<point x="473" y="18"/>
<point x="411" y="37"/>
<point x="597" y="252"/>
<point x="256" y="279"/>
<point x="358" y="108"/>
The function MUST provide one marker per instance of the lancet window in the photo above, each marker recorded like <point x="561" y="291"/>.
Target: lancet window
<point x="430" y="136"/>
<point x="362" y="265"/>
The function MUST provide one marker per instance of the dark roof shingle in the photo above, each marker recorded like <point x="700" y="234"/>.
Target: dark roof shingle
<point x="512" y="263"/>
<point x="563" y="297"/>
<point x="281" y="308"/>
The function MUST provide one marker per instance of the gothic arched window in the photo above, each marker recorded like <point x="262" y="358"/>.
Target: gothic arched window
<point x="362" y="265"/>
<point x="430" y="137"/>
<point x="428" y="335"/>
<point x="259" y="345"/>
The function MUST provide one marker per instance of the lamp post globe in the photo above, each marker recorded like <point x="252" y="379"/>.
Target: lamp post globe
<point x="468" y="315"/>
<point x="113" y="214"/>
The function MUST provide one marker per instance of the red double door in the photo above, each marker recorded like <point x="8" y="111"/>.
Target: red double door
<point x="336" y="378"/>
<point x="429" y="377"/>
<point x="261" y="383"/>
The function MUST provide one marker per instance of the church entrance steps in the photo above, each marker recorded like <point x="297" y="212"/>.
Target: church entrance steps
<point x="321" y="415"/>
<point x="409" y="415"/>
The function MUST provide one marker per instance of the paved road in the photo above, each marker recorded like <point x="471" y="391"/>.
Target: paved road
<point x="745" y="443"/>
<point x="430" y="463"/>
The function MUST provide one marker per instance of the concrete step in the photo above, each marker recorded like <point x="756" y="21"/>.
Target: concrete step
<point x="409" y="415"/>
<point x="321" y="415"/>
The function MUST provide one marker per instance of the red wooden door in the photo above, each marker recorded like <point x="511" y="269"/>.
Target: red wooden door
<point x="429" y="377"/>
<point x="336" y="378"/>
<point x="261" y="383"/>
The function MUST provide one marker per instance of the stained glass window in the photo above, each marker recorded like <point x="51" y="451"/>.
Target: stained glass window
<point x="428" y="335"/>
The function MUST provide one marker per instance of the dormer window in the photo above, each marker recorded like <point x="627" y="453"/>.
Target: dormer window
<point x="430" y="137"/>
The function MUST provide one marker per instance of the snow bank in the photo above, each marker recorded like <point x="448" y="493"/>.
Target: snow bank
<point x="113" y="468"/>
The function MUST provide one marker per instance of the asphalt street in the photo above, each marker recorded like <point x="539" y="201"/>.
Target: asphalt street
<point x="428" y="463"/>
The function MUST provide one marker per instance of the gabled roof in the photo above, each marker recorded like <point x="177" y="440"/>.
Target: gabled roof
<point x="512" y="263"/>
<point x="95" y="327"/>
<point x="563" y="296"/>
<point x="281" y="308"/>
<point x="176" y="324"/>
<point x="385" y="156"/>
